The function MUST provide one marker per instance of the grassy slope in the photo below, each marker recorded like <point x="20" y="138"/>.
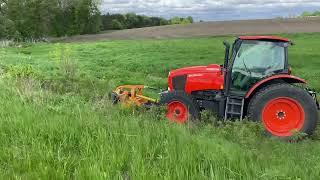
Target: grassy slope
<point x="76" y="133"/>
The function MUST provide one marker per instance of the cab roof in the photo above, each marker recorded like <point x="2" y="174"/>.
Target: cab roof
<point x="267" y="38"/>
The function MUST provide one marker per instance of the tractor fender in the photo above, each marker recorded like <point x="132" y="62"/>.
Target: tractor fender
<point x="287" y="78"/>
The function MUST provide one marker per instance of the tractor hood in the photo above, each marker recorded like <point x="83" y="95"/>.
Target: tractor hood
<point x="196" y="78"/>
<point x="213" y="68"/>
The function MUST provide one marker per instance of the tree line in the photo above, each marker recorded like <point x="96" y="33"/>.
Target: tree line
<point x="310" y="14"/>
<point x="132" y="20"/>
<point x="36" y="19"/>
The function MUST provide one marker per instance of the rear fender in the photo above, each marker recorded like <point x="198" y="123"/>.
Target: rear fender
<point x="284" y="77"/>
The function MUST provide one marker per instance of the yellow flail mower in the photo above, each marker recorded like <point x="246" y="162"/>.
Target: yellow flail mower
<point x="132" y="95"/>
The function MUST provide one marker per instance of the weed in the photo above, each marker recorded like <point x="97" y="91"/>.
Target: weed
<point x="62" y="54"/>
<point x="21" y="71"/>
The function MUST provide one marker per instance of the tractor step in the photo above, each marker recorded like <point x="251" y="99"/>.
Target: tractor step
<point x="234" y="108"/>
<point x="234" y="103"/>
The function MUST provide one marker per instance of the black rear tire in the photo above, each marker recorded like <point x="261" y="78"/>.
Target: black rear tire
<point x="184" y="99"/>
<point x="259" y="105"/>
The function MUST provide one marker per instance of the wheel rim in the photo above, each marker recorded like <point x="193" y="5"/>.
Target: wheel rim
<point x="283" y="116"/>
<point x="178" y="112"/>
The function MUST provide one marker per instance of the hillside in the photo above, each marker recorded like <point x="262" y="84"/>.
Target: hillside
<point x="273" y="26"/>
<point x="57" y="122"/>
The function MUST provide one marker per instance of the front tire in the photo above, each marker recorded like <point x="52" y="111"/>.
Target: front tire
<point x="284" y="109"/>
<point x="181" y="107"/>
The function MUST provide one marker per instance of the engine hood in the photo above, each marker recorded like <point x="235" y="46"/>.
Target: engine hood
<point x="213" y="68"/>
<point x="198" y="78"/>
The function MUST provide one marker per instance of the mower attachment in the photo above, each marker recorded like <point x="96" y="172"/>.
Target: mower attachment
<point x="131" y="95"/>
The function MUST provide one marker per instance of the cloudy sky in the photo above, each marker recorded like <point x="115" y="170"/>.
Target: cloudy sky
<point x="213" y="9"/>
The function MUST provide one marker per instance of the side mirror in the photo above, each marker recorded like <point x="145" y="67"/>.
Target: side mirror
<point x="226" y="44"/>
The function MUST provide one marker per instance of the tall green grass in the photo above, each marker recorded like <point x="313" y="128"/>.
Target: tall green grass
<point x="54" y="126"/>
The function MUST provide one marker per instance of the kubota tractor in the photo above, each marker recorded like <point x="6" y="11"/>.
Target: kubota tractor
<point x="255" y="82"/>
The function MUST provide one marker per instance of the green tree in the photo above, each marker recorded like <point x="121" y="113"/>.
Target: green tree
<point x="306" y="14"/>
<point x="116" y="25"/>
<point x="7" y="28"/>
<point x="190" y="19"/>
<point x="132" y="20"/>
<point x="175" y="20"/>
<point x="316" y="13"/>
<point x="88" y="17"/>
<point x="163" y="22"/>
<point x="179" y="20"/>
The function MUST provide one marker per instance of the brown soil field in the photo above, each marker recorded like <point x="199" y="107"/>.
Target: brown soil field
<point x="244" y="27"/>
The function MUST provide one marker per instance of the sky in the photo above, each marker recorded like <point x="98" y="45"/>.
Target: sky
<point x="212" y="10"/>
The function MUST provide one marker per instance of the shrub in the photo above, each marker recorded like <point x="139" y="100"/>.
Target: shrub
<point x="21" y="71"/>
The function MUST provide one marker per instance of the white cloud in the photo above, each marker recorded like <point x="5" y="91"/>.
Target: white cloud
<point x="212" y="9"/>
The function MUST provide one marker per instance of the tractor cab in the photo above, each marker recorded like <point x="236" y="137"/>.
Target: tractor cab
<point x="254" y="58"/>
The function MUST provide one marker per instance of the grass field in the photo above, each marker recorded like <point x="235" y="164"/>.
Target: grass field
<point x="57" y="122"/>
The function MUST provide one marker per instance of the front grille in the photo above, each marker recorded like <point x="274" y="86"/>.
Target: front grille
<point x="179" y="82"/>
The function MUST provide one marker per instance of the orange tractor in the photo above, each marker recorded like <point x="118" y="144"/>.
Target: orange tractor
<point x="255" y="81"/>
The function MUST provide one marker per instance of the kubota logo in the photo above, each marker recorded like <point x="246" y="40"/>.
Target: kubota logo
<point x="195" y="75"/>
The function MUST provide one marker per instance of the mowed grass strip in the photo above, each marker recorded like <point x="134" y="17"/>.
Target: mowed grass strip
<point x="73" y="132"/>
